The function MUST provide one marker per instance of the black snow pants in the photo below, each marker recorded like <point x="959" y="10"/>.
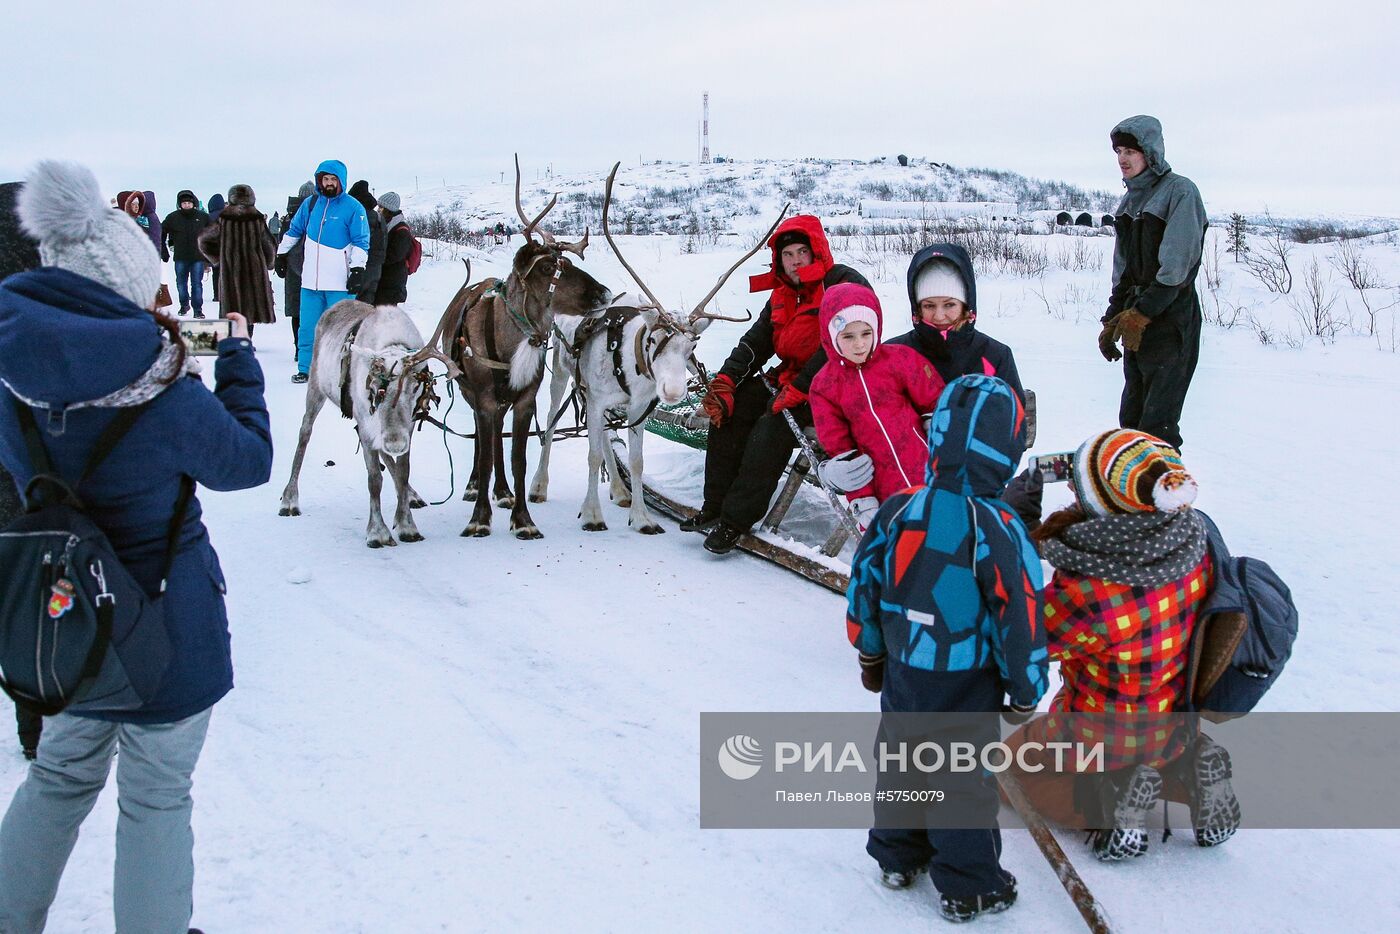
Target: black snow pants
<point x="1155" y="381"/>
<point x="745" y="456"/>
<point x="30" y="726"/>
<point x="962" y="861"/>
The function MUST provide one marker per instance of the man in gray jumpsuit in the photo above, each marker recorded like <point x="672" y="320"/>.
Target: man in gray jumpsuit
<point x="1154" y="309"/>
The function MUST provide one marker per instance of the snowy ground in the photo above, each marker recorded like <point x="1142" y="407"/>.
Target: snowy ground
<point x="486" y="734"/>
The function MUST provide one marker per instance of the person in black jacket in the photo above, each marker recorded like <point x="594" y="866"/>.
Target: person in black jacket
<point x="292" y="271"/>
<point x="943" y="304"/>
<point x="750" y="441"/>
<point x="180" y="230"/>
<point x="1153" y="308"/>
<point x="374" y="268"/>
<point x="398" y="244"/>
<point x="18" y="252"/>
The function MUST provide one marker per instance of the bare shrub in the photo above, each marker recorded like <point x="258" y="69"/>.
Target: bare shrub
<point x="1269" y="263"/>
<point x="1316" y="306"/>
<point x="1078" y="256"/>
<point x="1362" y="276"/>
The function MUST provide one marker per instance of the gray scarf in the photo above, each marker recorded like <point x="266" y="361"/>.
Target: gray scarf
<point x="144" y="388"/>
<point x="1147" y="549"/>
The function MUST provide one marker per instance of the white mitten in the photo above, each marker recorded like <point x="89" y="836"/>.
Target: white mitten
<point x="864" y="510"/>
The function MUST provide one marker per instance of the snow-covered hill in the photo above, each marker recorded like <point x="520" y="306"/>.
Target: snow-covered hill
<point x="488" y="734"/>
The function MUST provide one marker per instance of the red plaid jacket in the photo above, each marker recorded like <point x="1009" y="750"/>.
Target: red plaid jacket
<point x="1124" y="650"/>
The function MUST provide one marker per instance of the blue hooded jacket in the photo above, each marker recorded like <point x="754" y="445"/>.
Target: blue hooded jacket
<point x="946" y="579"/>
<point x="66" y="339"/>
<point x="336" y="231"/>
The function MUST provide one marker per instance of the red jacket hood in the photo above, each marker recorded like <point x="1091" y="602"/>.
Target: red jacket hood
<point x="837" y="299"/>
<point x="811" y="226"/>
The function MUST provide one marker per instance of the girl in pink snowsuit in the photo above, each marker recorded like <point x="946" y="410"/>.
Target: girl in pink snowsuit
<point x="871" y="397"/>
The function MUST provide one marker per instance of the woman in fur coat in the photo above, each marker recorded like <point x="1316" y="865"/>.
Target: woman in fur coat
<point x="240" y="243"/>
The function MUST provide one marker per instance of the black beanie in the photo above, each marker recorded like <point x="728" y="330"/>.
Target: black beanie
<point x="788" y="237"/>
<point x="1126" y="140"/>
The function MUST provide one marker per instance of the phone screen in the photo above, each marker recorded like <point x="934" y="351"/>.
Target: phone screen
<point x="202" y="336"/>
<point x="1054" y="467"/>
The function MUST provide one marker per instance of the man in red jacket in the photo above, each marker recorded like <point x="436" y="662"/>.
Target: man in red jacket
<point x="750" y="441"/>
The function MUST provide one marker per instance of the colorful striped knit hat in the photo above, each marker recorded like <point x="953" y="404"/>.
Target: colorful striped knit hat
<point x="1124" y="471"/>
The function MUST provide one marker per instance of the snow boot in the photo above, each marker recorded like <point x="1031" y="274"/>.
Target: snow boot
<point x="702" y="521"/>
<point x="1215" y="811"/>
<point x="900" y="878"/>
<point x="1130" y="802"/>
<point x="198" y="313"/>
<point x="299" y="377"/>
<point x="964" y="908"/>
<point x="722" y="539"/>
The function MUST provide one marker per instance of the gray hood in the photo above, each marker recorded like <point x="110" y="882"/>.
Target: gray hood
<point x="1148" y="132"/>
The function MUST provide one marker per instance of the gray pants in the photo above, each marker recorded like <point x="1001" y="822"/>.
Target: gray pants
<point x="154" y="880"/>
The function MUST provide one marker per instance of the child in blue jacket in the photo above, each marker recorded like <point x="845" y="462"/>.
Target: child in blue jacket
<point x="944" y="605"/>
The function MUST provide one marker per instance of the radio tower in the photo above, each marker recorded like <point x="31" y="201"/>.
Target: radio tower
<point x="705" y="133"/>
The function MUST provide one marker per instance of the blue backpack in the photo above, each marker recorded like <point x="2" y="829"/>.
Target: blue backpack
<point x="1244" y="633"/>
<point x="77" y="632"/>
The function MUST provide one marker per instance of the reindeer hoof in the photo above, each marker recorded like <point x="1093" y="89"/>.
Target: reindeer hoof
<point x="469" y="495"/>
<point x="410" y="537"/>
<point x="652" y="529"/>
<point x="505" y="502"/>
<point x="289" y="511"/>
<point x="595" y="526"/>
<point x="417" y="503"/>
<point x="476" y="530"/>
<point x="537" y="497"/>
<point x="381" y="543"/>
<point x="527" y="533"/>
<point x="624" y="502"/>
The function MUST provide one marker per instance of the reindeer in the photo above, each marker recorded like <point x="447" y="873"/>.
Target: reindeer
<point x="497" y="331"/>
<point x="373" y="362"/>
<point x="625" y="358"/>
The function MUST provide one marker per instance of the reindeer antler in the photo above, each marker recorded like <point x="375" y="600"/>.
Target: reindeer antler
<point x="699" y="311"/>
<point x="607" y="199"/>
<point x="530" y="224"/>
<point x="576" y="248"/>
<point x="430" y="352"/>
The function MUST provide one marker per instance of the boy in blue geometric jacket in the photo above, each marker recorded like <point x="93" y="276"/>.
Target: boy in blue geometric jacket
<point x="945" y="607"/>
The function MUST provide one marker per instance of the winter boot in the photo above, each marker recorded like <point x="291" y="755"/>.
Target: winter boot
<point x="299" y="377"/>
<point x="722" y="539"/>
<point x="900" y="878"/>
<point x="964" y="908"/>
<point x="702" y="521"/>
<point x="1215" y="811"/>
<point x="199" y="312"/>
<point x="184" y="310"/>
<point x="1132" y="798"/>
<point x="32" y="752"/>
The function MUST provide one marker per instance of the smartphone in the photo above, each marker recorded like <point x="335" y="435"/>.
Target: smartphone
<point x="202" y="336"/>
<point x="1053" y="467"/>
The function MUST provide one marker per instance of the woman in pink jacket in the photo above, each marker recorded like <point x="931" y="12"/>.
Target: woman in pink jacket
<point x="870" y="398"/>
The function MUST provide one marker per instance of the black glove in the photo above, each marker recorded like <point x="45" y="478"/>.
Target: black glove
<point x="356" y="279"/>
<point x="1023" y="494"/>
<point x="1016" y="715"/>
<point x="279" y="265"/>
<point x="872" y="672"/>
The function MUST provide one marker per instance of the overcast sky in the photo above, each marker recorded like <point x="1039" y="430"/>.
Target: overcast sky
<point x="1294" y="105"/>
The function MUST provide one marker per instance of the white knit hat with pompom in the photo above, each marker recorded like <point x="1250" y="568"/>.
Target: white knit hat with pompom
<point x="62" y="206"/>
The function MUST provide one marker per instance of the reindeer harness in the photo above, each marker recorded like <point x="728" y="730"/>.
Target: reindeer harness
<point x="383" y="372"/>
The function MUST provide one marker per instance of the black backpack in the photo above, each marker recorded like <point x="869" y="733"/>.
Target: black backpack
<point x="77" y="632"/>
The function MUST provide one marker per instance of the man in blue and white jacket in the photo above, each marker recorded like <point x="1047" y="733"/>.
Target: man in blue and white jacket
<point x="337" y="248"/>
